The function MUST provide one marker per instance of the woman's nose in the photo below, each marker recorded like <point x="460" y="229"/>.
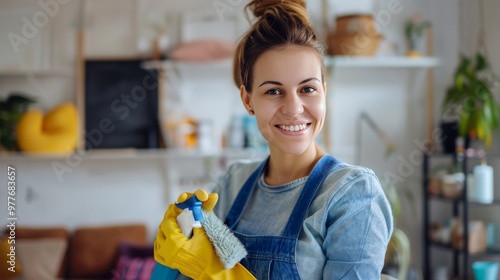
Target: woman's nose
<point x="293" y="105"/>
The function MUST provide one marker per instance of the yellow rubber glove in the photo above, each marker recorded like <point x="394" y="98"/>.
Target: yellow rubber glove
<point x="208" y="200"/>
<point x="195" y="257"/>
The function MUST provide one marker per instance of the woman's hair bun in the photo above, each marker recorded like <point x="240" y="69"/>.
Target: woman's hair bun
<point x="276" y="23"/>
<point x="276" y="8"/>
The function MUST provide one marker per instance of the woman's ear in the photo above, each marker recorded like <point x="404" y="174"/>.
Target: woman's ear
<point x="246" y="99"/>
<point x="324" y="87"/>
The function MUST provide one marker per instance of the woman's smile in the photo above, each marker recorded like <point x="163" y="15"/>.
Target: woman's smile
<point x="294" y="129"/>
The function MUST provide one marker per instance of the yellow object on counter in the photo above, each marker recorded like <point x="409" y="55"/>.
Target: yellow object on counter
<point x="56" y="132"/>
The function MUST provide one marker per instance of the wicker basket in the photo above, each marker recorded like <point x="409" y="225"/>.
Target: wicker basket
<point x="353" y="45"/>
<point x="355" y="24"/>
<point x="355" y="35"/>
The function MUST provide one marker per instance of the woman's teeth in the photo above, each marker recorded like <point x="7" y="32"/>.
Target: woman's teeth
<point x="293" y="128"/>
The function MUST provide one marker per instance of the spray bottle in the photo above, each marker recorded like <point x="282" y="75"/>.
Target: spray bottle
<point x="191" y="217"/>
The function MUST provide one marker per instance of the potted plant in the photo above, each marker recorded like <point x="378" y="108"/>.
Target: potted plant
<point x="398" y="250"/>
<point x="11" y="111"/>
<point x="470" y="100"/>
<point x="414" y="29"/>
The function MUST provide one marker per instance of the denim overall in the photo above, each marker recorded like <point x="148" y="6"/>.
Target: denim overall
<point x="273" y="257"/>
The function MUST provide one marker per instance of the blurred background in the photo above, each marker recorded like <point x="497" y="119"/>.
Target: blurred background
<point x="136" y="104"/>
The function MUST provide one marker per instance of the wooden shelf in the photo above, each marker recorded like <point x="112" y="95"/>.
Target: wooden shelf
<point x="188" y="66"/>
<point x="488" y="252"/>
<point x="491" y="156"/>
<point x="116" y="154"/>
<point x="496" y="201"/>
<point x="336" y="61"/>
<point x="381" y="62"/>
<point x="39" y="73"/>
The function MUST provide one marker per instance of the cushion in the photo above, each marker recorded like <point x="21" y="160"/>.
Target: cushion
<point x="94" y="250"/>
<point x="134" y="262"/>
<point x="134" y="268"/>
<point x="40" y="232"/>
<point x="40" y="258"/>
<point x="203" y="50"/>
<point x="8" y="270"/>
<point x="136" y="251"/>
<point x="30" y="233"/>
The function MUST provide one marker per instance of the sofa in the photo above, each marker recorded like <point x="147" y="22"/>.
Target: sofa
<point x="105" y="252"/>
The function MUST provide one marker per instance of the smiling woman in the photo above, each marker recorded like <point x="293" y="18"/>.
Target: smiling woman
<point x="301" y="213"/>
<point x="289" y="104"/>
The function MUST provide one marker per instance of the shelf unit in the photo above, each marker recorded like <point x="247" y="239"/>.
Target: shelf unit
<point x="331" y="62"/>
<point x="460" y="203"/>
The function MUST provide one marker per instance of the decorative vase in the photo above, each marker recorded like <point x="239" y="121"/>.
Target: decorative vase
<point x="414" y="46"/>
<point x="449" y="134"/>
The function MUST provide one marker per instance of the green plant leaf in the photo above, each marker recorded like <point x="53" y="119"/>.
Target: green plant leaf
<point x="400" y="244"/>
<point x="488" y="136"/>
<point x="481" y="126"/>
<point x="11" y="111"/>
<point x="450" y="99"/>
<point x="474" y="123"/>
<point x="495" y="113"/>
<point x="19" y="98"/>
<point x="487" y="114"/>
<point x="481" y="63"/>
<point x="465" y="63"/>
<point x="459" y="82"/>
<point x="408" y="29"/>
<point x="464" y="124"/>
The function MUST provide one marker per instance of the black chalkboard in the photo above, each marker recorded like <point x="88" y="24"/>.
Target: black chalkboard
<point x="121" y="105"/>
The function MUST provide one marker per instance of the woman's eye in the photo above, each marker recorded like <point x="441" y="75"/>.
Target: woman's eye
<point x="308" y="89"/>
<point x="273" y="91"/>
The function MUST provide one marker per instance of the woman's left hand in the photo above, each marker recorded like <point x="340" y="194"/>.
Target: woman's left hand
<point x="208" y="200"/>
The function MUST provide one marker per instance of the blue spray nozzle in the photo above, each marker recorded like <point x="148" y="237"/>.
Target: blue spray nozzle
<point x="194" y="205"/>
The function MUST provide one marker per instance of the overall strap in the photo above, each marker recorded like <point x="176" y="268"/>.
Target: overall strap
<point x="241" y="200"/>
<point x="318" y="175"/>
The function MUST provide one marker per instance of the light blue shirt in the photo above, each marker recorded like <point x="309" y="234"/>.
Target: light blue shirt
<point x="347" y="228"/>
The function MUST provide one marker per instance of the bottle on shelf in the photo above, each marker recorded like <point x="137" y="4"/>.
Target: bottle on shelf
<point x="483" y="183"/>
<point x="236" y="134"/>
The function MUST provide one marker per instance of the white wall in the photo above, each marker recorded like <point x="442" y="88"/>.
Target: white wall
<point x="103" y="191"/>
<point x="60" y="34"/>
<point x="129" y="190"/>
<point x="96" y="192"/>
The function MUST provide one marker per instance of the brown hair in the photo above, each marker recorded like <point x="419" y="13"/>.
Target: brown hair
<point x="279" y="23"/>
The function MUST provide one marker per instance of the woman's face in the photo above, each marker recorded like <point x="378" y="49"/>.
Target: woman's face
<point x="288" y="97"/>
